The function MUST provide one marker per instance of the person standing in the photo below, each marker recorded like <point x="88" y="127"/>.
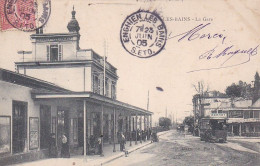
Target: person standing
<point x="122" y="142"/>
<point x="65" y="151"/>
<point x="52" y="146"/>
<point x="99" y="143"/>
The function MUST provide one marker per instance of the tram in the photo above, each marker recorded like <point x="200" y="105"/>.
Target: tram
<point x="213" y="130"/>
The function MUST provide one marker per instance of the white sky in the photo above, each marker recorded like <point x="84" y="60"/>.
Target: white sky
<point x="238" y="20"/>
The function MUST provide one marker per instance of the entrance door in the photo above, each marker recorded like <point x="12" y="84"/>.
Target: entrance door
<point x="63" y="124"/>
<point x="236" y="130"/>
<point x="81" y="131"/>
<point x="120" y="125"/>
<point x="105" y="128"/>
<point x="45" y="120"/>
<point x="19" y="126"/>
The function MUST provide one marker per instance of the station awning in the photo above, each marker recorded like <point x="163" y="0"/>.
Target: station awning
<point x="89" y="96"/>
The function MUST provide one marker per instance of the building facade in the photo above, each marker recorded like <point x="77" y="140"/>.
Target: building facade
<point x="242" y="116"/>
<point x="59" y="89"/>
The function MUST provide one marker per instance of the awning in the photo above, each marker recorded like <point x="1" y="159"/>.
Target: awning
<point x="91" y="97"/>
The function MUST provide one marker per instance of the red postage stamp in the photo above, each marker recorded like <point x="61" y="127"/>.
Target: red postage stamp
<point x="25" y="15"/>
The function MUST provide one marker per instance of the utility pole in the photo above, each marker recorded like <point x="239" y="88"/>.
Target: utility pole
<point x="148" y="101"/>
<point x="176" y="117"/>
<point x="104" y="70"/>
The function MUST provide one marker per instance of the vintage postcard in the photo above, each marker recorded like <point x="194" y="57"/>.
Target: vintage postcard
<point x="130" y="82"/>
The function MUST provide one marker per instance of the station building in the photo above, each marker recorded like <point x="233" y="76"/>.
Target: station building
<point x="62" y="89"/>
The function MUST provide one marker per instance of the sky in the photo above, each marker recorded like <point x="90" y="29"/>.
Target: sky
<point x="237" y="21"/>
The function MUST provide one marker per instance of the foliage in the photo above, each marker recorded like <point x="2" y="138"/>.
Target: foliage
<point x="233" y="90"/>
<point x="164" y="122"/>
<point x="189" y="120"/>
<point x="256" y="87"/>
<point x="242" y="89"/>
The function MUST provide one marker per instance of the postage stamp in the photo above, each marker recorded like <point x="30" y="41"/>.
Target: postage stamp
<point x="143" y="34"/>
<point x="26" y="15"/>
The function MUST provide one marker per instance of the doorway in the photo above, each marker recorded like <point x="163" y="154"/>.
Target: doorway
<point x="19" y="126"/>
<point x="236" y="129"/>
<point x="62" y="125"/>
<point x="81" y="131"/>
<point x="45" y="121"/>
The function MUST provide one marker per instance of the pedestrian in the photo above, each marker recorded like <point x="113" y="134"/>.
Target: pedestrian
<point x="99" y="143"/>
<point x="65" y="150"/>
<point x="52" y="146"/>
<point x="122" y="142"/>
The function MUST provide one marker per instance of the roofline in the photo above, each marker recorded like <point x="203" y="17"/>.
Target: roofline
<point x="211" y="97"/>
<point x="65" y="62"/>
<point x="88" y="95"/>
<point x="34" y="81"/>
<point x="54" y="34"/>
<point x="241" y="108"/>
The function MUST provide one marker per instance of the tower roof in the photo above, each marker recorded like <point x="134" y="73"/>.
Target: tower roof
<point x="73" y="25"/>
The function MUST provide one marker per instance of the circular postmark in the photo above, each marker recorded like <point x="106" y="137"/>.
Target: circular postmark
<point x="27" y="15"/>
<point x="143" y="34"/>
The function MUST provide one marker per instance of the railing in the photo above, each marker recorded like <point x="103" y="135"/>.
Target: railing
<point x="80" y="55"/>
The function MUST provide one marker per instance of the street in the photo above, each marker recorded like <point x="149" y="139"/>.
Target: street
<point x="177" y="149"/>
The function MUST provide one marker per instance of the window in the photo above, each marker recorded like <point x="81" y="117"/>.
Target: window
<point x="54" y="53"/>
<point x="251" y="128"/>
<point x="256" y="114"/>
<point x="113" y="90"/>
<point x="60" y="53"/>
<point x="74" y="127"/>
<point x="236" y="114"/>
<point x="246" y="114"/>
<point x="96" y="84"/>
<point x="107" y="88"/>
<point x="214" y="111"/>
<point x="53" y="125"/>
<point x="257" y="128"/>
<point x="5" y="136"/>
<point x="251" y="114"/>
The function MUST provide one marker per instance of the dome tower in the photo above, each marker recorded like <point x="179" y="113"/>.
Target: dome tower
<point x="73" y="25"/>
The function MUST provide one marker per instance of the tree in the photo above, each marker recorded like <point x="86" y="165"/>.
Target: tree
<point x="256" y="87"/>
<point x="164" y="122"/>
<point x="189" y="120"/>
<point x="216" y="93"/>
<point x="242" y="89"/>
<point x="233" y="91"/>
<point x="200" y="88"/>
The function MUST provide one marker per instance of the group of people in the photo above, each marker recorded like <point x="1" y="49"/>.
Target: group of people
<point x="53" y="149"/>
<point x="65" y="150"/>
<point x="141" y="134"/>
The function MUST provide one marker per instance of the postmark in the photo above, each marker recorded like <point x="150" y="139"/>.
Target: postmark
<point x="27" y="15"/>
<point x="143" y="34"/>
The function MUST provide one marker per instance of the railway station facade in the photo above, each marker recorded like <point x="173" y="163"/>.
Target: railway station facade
<point x="62" y="89"/>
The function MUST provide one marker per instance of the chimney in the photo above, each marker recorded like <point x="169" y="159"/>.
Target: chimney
<point x="39" y="30"/>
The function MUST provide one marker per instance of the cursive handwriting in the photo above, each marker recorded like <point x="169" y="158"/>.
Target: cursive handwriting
<point x="228" y="52"/>
<point x="195" y="34"/>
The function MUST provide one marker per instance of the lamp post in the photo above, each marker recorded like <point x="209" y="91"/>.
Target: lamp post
<point x="158" y="88"/>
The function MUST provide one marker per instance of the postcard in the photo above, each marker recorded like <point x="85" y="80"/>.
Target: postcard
<point x="129" y="82"/>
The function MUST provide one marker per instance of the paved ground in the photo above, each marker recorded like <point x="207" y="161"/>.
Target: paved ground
<point x="173" y="149"/>
<point x="178" y="149"/>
